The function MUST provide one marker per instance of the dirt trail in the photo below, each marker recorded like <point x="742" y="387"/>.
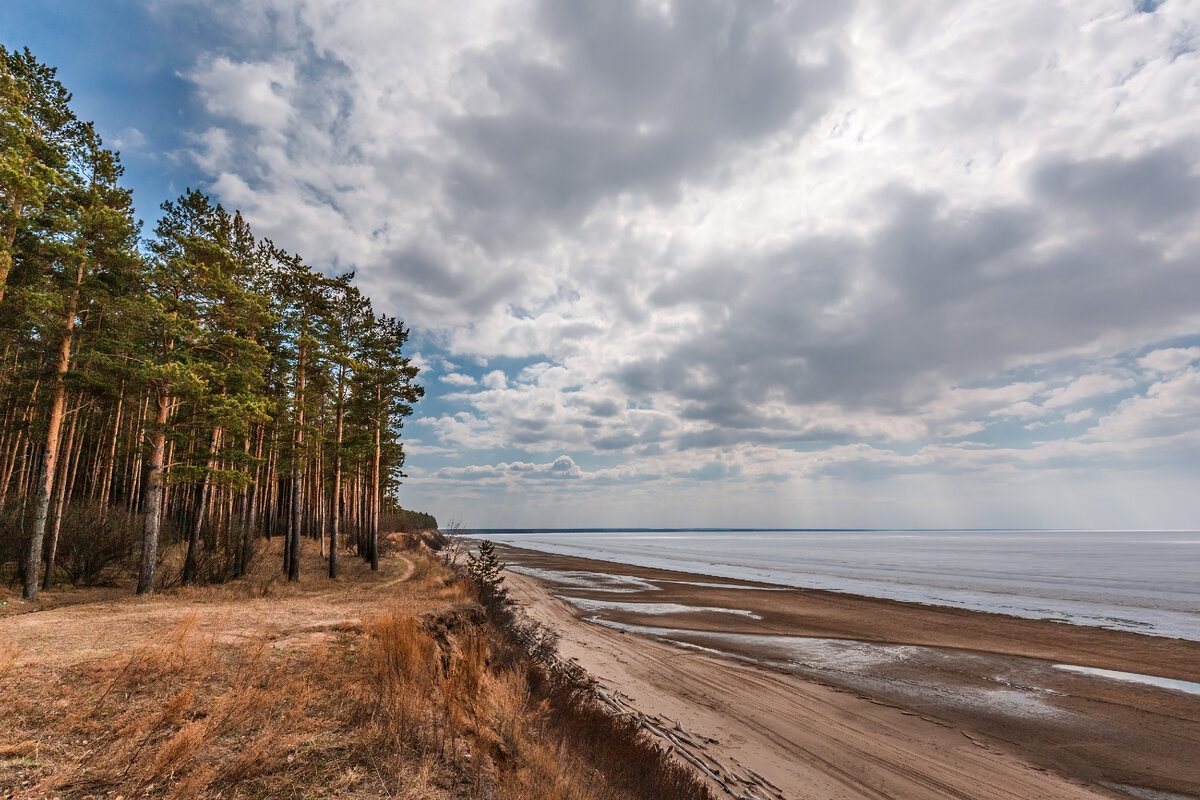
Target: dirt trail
<point x="809" y="740"/>
<point x="409" y="567"/>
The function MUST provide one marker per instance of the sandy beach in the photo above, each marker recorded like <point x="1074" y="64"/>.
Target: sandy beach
<point x="793" y="693"/>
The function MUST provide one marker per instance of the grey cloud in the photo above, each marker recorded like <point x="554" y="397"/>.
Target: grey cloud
<point x="716" y="283"/>
<point x="1148" y="190"/>
<point x="634" y="102"/>
<point x="615" y="441"/>
<point x="604" y="408"/>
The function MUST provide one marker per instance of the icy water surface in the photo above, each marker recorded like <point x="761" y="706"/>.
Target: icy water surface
<point x="1142" y="581"/>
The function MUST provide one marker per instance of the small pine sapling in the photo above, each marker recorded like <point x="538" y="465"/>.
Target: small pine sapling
<point x="484" y="568"/>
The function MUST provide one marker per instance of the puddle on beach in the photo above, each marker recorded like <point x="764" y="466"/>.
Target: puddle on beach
<point x="1134" y="677"/>
<point x="1007" y="687"/>
<point x="625" y="584"/>
<point x="844" y="655"/>
<point x="656" y="609"/>
<point x="593" y="581"/>
<point x="1144" y="793"/>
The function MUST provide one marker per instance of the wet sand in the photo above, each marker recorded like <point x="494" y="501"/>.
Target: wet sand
<point x="835" y="695"/>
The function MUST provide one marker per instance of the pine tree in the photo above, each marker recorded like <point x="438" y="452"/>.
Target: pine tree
<point x="484" y="568"/>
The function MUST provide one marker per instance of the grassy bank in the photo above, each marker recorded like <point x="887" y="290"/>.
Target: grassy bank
<point x="389" y="684"/>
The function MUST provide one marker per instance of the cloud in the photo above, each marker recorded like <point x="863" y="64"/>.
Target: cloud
<point x="1169" y="359"/>
<point x="623" y="98"/>
<point x="457" y="379"/>
<point x="129" y="139"/>
<point x="562" y="468"/>
<point x="834" y="239"/>
<point x="495" y="380"/>
<point x="1086" y="387"/>
<point x="254" y="94"/>
<point x="1170" y="408"/>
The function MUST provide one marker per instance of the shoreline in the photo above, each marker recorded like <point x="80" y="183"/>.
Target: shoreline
<point x="752" y="664"/>
<point x="1117" y="580"/>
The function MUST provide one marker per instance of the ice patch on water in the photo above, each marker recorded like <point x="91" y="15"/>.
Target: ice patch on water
<point x="587" y="604"/>
<point x="1133" y="677"/>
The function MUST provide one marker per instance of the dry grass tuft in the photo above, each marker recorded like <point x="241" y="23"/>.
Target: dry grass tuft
<point x="9" y="656"/>
<point x="179" y="749"/>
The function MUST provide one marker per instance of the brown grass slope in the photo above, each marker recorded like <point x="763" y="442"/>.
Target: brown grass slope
<point x="381" y="685"/>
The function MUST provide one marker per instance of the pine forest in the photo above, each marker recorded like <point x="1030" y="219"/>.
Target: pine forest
<point x="170" y="398"/>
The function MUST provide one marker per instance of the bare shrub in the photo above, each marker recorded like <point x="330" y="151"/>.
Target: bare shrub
<point x="95" y="545"/>
<point x="454" y="549"/>
<point x="12" y="547"/>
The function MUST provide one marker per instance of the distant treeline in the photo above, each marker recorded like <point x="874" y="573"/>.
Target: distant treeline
<point x="402" y="519"/>
<point x="191" y="391"/>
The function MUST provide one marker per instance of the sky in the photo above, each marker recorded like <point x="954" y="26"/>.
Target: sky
<point x="885" y="263"/>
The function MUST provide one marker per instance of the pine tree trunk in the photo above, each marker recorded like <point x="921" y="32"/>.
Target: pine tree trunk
<point x="106" y="481"/>
<point x="193" y="548"/>
<point x="152" y="503"/>
<point x="64" y="481"/>
<point x="41" y="509"/>
<point x="297" y="476"/>
<point x="336" y="511"/>
<point x="135" y="478"/>
<point x="19" y="445"/>
<point x="378" y="479"/>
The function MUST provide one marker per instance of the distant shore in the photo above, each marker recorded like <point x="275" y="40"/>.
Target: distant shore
<point x="832" y="694"/>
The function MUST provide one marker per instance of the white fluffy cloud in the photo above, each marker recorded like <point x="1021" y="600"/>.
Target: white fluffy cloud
<point x="458" y="379"/>
<point x="1169" y="359"/>
<point x="1085" y="388"/>
<point x="755" y="243"/>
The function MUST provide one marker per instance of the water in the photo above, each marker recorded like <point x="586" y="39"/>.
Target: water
<point x="1141" y="581"/>
<point x="1134" y="677"/>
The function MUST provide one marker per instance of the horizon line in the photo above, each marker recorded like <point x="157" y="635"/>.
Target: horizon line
<point x="822" y="530"/>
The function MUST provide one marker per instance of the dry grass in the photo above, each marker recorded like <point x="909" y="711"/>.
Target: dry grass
<point x="381" y="685"/>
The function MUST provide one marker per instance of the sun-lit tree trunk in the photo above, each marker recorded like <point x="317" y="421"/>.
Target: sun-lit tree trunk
<point x="65" y="481"/>
<point x="41" y="508"/>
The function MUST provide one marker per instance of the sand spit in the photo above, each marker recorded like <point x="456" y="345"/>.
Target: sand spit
<point x="834" y="695"/>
